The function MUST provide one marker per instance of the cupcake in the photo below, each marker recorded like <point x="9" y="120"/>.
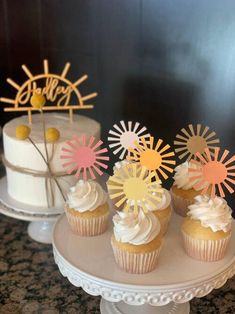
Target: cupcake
<point x="162" y="210"/>
<point x="182" y="191"/>
<point x="87" y="208"/>
<point x="120" y="164"/>
<point x="207" y="229"/>
<point x="136" y="241"/>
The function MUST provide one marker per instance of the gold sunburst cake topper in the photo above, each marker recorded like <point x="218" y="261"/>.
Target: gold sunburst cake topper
<point x="56" y="88"/>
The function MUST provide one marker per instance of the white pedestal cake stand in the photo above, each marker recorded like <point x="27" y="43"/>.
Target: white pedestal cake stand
<point x="89" y="263"/>
<point x="42" y="221"/>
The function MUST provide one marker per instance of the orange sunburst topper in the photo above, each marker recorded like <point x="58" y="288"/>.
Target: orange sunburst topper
<point x="156" y="158"/>
<point x="84" y="155"/>
<point x="56" y="88"/>
<point x="132" y="186"/>
<point x="194" y="139"/>
<point x="214" y="172"/>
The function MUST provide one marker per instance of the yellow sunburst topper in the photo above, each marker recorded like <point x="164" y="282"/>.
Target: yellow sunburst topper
<point x="132" y="188"/>
<point x="194" y="139"/>
<point x="59" y="92"/>
<point x="157" y="158"/>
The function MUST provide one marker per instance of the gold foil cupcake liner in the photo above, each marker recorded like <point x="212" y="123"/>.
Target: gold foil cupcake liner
<point x="88" y="227"/>
<point x="205" y="250"/>
<point x="136" y="263"/>
<point x="180" y="204"/>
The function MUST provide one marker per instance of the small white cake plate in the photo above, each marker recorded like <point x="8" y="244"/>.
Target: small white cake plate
<point x="42" y="220"/>
<point x="88" y="262"/>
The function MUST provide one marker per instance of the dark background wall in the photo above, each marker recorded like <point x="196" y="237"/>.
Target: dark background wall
<point x="165" y="63"/>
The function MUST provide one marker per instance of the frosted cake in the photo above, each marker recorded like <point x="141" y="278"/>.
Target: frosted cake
<point x="27" y="176"/>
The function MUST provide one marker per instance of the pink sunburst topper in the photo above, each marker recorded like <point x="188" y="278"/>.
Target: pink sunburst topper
<point x="214" y="173"/>
<point x="85" y="156"/>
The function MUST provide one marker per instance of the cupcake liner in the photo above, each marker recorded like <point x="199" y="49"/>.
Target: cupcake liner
<point x="205" y="250"/>
<point x="164" y="223"/>
<point x="180" y="204"/>
<point x="136" y="263"/>
<point x="91" y="226"/>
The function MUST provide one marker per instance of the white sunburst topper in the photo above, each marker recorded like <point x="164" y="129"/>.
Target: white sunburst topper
<point x="125" y="136"/>
<point x="56" y="88"/>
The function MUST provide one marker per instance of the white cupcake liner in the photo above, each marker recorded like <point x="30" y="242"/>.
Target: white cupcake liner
<point x="205" y="250"/>
<point x="136" y="263"/>
<point x="165" y="222"/>
<point x="180" y="204"/>
<point x="89" y="227"/>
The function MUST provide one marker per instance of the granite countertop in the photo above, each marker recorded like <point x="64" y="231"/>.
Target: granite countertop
<point x="30" y="281"/>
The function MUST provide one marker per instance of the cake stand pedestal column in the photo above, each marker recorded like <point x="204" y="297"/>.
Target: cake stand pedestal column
<point x="41" y="231"/>
<point x="88" y="262"/>
<point x="107" y="307"/>
<point x="42" y="220"/>
<point x="41" y="226"/>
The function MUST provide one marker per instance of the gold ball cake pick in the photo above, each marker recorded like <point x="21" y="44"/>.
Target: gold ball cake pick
<point x="194" y="139"/>
<point x="52" y="135"/>
<point x="22" y="132"/>
<point x="132" y="186"/>
<point x="37" y="101"/>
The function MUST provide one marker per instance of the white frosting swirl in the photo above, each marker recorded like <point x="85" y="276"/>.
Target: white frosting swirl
<point x="135" y="228"/>
<point x="182" y="176"/>
<point x="213" y="213"/>
<point x="165" y="200"/>
<point x="86" y="196"/>
<point x="163" y="204"/>
<point x="119" y="164"/>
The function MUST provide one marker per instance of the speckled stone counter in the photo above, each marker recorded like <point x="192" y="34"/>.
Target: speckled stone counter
<point x="30" y="282"/>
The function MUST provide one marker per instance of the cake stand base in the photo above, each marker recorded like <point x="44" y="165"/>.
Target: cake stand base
<point x="42" y="220"/>
<point x="107" y="307"/>
<point x="89" y="263"/>
<point x="41" y="231"/>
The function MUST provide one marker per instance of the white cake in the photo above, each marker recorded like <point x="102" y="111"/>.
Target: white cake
<point x="21" y="158"/>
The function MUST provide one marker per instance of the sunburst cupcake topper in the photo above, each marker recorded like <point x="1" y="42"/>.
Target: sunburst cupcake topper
<point x="132" y="188"/>
<point x="123" y="136"/>
<point x="156" y="157"/>
<point x="84" y="156"/>
<point x="213" y="173"/>
<point x="194" y="139"/>
<point x="56" y="88"/>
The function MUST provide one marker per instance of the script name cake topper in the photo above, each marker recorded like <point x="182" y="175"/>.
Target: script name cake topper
<point x="52" y="91"/>
<point x="56" y="88"/>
